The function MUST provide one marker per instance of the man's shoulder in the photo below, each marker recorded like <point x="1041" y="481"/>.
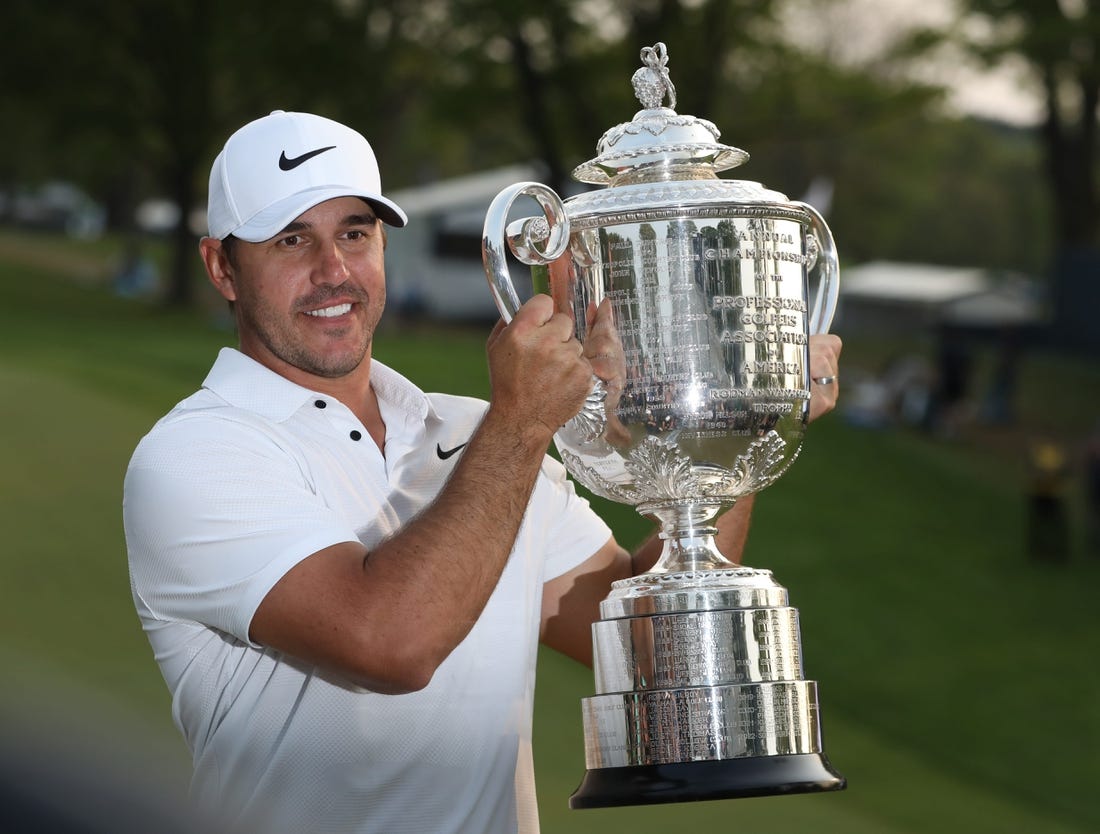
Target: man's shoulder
<point x="205" y="407"/>
<point x="204" y="418"/>
<point x="452" y="407"/>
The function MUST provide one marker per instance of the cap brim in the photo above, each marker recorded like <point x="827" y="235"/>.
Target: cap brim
<point x="273" y="219"/>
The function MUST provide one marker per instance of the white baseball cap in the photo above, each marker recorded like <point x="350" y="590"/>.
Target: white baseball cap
<point x="275" y="168"/>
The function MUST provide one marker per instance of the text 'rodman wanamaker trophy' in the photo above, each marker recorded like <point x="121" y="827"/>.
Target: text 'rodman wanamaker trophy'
<point x="698" y="662"/>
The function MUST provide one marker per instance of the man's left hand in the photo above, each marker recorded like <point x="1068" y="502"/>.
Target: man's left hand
<point x="824" y="374"/>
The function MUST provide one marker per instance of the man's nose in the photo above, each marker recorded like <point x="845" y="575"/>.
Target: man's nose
<point x="331" y="267"/>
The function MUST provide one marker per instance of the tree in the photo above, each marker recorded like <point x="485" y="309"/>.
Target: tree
<point x="150" y="88"/>
<point x="1061" y="41"/>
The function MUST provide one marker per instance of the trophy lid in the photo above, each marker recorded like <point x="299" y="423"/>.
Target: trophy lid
<point x="659" y="143"/>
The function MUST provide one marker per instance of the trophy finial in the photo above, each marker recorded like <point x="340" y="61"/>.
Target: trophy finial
<point x="658" y="138"/>
<point x="652" y="81"/>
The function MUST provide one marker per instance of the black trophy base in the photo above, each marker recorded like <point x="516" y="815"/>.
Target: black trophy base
<point x="718" y="779"/>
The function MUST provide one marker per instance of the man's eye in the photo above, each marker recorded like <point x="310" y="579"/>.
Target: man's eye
<point x="290" y="240"/>
<point x="360" y="234"/>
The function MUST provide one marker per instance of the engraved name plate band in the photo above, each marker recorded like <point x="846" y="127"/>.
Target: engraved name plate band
<point x="700" y="694"/>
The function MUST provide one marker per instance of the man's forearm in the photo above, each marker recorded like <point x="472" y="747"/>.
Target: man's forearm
<point x="385" y="618"/>
<point x="448" y="560"/>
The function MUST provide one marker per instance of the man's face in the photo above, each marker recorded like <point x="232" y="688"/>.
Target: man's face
<point x="308" y="300"/>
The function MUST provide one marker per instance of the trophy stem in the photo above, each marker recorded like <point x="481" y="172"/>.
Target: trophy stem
<point x="688" y="537"/>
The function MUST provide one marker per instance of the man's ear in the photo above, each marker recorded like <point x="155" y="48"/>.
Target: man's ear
<point x="218" y="268"/>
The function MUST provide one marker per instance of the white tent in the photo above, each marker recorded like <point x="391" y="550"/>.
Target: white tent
<point x="888" y="294"/>
<point x="433" y="265"/>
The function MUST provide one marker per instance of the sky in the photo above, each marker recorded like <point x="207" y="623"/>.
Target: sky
<point x="859" y="31"/>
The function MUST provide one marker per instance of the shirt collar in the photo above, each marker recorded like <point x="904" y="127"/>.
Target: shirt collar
<point x="243" y="382"/>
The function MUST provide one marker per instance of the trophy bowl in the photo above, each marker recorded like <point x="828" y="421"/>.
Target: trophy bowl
<point x="701" y="397"/>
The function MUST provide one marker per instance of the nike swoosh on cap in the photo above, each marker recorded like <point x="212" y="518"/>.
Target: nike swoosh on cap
<point x="443" y="455"/>
<point x="292" y="163"/>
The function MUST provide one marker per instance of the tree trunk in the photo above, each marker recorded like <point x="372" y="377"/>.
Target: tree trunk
<point x="184" y="246"/>
<point x="1071" y="162"/>
<point x="1070" y="152"/>
<point x="536" y="111"/>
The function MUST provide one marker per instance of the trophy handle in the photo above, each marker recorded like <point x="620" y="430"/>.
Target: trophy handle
<point x="533" y="240"/>
<point x="829" y="268"/>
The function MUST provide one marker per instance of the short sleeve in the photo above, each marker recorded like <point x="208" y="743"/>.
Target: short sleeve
<point x="573" y="531"/>
<point x="215" y="513"/>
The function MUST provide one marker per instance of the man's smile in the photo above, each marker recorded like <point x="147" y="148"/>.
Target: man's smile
<point x="330" y="312"/>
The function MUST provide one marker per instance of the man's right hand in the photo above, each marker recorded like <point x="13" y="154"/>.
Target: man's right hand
<point x="540" y="377"/>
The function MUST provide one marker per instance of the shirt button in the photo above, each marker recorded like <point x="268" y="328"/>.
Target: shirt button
<point x="320" y="403"/>
<point x="355" y="435"/>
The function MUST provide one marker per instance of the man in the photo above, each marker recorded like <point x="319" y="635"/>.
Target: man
<point x="344" y="579"/>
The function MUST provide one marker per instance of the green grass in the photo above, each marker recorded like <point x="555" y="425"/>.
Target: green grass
<point x="958" y="679"/>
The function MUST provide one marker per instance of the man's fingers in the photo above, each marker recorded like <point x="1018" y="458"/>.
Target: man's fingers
<point x="494" y="335"/>
<point x="824" y="373"/>
<point x="537" y="311"/>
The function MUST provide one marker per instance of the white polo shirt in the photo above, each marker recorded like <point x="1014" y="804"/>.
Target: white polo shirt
<point x="239" y="483"/>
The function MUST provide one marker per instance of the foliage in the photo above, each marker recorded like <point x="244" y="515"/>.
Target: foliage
<point x="150" y="89"/>
<point x="1061" y="42"/>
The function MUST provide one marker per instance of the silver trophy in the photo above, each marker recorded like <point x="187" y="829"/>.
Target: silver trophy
<point x="702" y="400"/>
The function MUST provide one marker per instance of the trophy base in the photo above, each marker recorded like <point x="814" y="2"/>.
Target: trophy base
<point x="715" y="779"/>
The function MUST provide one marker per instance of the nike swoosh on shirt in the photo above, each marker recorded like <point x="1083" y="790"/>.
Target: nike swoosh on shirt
<point x="290" y="164"/>
<point x="443" y="455"/>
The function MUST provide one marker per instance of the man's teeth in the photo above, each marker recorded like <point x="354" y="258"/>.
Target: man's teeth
<point x="329" y="312"/>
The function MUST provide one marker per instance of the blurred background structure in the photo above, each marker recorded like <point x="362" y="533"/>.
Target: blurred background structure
<point x="940" y="533"/>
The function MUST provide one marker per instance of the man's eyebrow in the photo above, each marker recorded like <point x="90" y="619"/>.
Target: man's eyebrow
<point x="366" y="219"/>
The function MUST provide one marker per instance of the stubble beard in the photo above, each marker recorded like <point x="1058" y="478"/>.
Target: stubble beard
<point x="281" y="340"/>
